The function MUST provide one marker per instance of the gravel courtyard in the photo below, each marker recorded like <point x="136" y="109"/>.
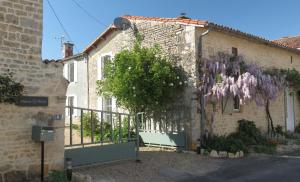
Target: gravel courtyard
<point x="155" y="166"/>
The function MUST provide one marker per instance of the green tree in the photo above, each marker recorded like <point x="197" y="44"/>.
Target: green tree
<point x="142" y="79"/>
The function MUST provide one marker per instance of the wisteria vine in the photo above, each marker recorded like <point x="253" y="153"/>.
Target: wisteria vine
<point x="225" y="76"/>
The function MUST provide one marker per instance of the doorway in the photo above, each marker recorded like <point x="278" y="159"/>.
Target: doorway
<point x="290" y="114"/>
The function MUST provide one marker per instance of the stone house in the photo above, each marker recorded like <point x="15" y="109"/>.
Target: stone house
<point x="75" y="71"/>
<point x="189" y="42"/>
<point x="20" y="54"/>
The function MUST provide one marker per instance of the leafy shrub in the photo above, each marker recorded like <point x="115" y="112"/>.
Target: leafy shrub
<point x="297" y="129"/>
<point x="248" y="133"/>
<point x="107" y="134"/>
<point x="57" y="176"/>
<point x="247" y="136"/>
<point x="267" y="149"/>
<point x="279" y="130"/>
<point x="9" y="89"/>
<point x="222" y="143"/>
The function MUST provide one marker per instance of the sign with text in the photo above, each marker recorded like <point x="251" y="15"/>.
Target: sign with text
<point x="32" y="101"/>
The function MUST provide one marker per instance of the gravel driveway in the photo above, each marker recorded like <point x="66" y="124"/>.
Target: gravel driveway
<point x="155" y="166"/>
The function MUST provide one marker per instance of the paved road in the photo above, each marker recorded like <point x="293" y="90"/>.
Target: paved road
<point x="256" y="169"/>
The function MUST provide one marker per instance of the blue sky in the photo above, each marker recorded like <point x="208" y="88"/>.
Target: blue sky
<point x="267" y="18"/>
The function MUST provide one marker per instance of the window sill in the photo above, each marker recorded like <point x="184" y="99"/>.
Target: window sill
<point x="236" y="110"/>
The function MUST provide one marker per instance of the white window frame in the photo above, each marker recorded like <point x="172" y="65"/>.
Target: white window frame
<point x="100" y="64"/>
<point x="75" y="113"/>
<point x="238" y="100"/>
<point x="66" y="71"/>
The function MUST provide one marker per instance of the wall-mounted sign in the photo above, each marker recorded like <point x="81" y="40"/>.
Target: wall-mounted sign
<point x="32" y="101"/>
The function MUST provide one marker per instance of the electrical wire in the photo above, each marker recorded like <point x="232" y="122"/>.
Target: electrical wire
<point x="90" y="15"/>
<point x="61" y="24"/>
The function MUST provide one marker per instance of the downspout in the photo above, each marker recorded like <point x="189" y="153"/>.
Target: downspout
<point x="202" y="103"/>
<point x="88" y="80"/>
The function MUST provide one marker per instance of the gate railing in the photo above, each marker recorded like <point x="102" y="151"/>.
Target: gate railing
<point x="89" y="126"/>
<point x="166" y="131"/>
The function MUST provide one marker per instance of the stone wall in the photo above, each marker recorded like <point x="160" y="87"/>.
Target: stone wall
<point x="176" y="40"/>
<point x="265" y="56"/>
<point x="20" y="53"/>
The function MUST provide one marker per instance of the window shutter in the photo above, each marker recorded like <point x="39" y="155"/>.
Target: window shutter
<point x="99" y="103"/>
<point x="228" y="105"/>
<point x="114" y="105"/>
<point x="75" y="71"/>
<point x="71" y="72"/>
<point x="99" y="62"/>
<point x="65" y="71"/>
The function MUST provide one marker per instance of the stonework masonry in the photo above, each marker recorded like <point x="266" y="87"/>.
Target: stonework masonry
<point x="182" y="44"/>
<point x="20" y="53"/>
<point x="265" y="56"/>
<point x="176" y="40"/>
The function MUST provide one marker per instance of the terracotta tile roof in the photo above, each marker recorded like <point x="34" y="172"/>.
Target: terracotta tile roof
<point x="293" y="41"/>
<point x="200" y="23"/>
<point x="177" y="20"/>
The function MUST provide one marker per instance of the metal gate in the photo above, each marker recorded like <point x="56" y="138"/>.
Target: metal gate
<point x="167" y="131"/>
<point x="95" y="136"/>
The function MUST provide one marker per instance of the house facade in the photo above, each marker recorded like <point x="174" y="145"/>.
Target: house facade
<point x="75" y="71"/>
<point x="189" y="42"/>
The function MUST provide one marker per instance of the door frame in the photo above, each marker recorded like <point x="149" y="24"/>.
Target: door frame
<point x="289" y="91"/>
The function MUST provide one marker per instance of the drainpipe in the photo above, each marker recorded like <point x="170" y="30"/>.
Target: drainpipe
<point x="202" y="104"/>
<point x="88" y="80"/>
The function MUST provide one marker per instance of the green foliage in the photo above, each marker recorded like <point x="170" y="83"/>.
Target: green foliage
<point x="291" y="76"/>
<point x="266" y="149"/>
<point x="107" y="133"/>
<point x="9" y="89"/>
<point x="297" y="128"/>
<point x="248" y="133"/>
<point x="279" y="130"/>
<point x="223" y="143"/>
<point x="57" y="176"/>
<point x="142" y="79"/>
<point x="246" y="137"/>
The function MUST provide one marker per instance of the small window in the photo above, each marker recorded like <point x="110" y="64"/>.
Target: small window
<point x="71" y="104"/>
<point x="104" y="61"/>
<point x="291" y="59"/>
<point x="107" y="106"/>
<point x="236" y="103"/>
<point x="71" y="72"/>
<point x="234" y="52"/>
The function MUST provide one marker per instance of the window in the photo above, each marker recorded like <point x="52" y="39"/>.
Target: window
<point x="101" y="65"/>
<point x="236" y="103"/>
<point x="234" y="52"/>
<point x="70" y="102"/>
<point x="107" y="106"/>
<point x="70" y="71"/>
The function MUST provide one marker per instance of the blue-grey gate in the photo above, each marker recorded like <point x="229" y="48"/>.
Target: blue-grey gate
<point x="168" y="130"/>
<point x="95" y="136"/>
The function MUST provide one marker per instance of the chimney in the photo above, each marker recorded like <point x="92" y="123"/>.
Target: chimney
<point x="67" y="49"/>
<point x="183" y="16"/>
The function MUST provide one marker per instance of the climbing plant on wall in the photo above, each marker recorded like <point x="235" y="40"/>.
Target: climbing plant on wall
<point x="9" y="89"/>
<point x="226" y="76"/>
